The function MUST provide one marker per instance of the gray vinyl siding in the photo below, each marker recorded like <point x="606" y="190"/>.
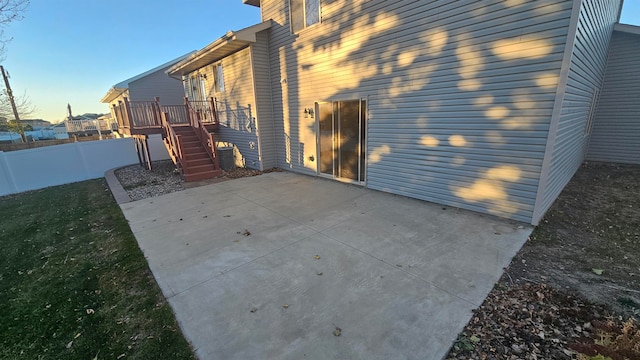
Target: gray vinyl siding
<point x="615" y="136"/>
<point x="454" y="116"/>
<point x="236" y="107"/>
<point x="264" y="105"/>
<point x="585" y="76"/>
<point x="159" y="84"/>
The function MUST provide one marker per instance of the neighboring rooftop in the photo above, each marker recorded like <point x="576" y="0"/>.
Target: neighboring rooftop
<point x="633" y="29"/>
<point x="122" y="86"/>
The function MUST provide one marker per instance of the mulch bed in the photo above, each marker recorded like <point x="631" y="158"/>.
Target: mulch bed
<point x="572" y="291"/>
<point x="535" y="321"/>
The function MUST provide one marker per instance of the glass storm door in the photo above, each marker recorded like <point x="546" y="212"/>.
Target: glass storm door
<point x="341" y="139"/>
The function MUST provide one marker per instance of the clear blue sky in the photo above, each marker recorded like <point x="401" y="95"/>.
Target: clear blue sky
<point x="73" y="51"/>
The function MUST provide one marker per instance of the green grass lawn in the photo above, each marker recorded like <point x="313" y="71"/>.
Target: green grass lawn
<point x="75" y="285"/>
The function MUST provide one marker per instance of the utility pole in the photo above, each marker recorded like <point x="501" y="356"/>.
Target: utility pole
<point x="13" y="103"/>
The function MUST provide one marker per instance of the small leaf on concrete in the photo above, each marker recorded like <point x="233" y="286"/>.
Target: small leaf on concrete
<point x="317" y="257"/>
<point x="597" y="271"/>
<point x="337" y="331"/>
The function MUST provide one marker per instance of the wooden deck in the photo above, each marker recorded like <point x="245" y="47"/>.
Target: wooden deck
<point x="187" y="131"/>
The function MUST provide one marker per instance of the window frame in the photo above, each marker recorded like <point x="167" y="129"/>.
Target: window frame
<point x="304" y="16"/>
<point x="218" y="78"/>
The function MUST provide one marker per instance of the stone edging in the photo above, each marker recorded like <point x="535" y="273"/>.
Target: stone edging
<point x="119" y="193"/>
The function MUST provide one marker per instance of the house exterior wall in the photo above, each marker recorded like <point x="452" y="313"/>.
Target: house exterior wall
<point x="264" y="105"/>
<point x="568" y="139"/>
<point x="616" y="131"/>
<point x="236" y="107"/>
<point x="116" y="101"/>
<point x="459" y="93"/>
<point x="159" y="84"/>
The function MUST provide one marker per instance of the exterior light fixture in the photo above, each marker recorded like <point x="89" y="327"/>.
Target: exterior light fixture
<point x="308" y="112"/>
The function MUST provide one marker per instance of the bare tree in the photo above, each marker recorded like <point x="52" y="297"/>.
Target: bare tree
<point x="10" y="11"/>
<point x="23" y="104"/>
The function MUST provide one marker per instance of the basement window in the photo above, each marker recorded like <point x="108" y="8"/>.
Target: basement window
<point x="304" y="13"/>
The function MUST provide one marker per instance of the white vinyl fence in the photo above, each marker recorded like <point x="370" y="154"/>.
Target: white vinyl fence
<point x="38" y="168"/>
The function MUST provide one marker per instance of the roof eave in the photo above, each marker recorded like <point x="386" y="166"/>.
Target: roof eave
<point x="627" y="28"/>
<point x="112" y="94"/>
<point x="252" y="2"/>
<point x="231" y="42"/>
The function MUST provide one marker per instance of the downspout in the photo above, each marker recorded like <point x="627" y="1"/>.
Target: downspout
<point x="257" y="111"/>
<point x="538" y="210"/>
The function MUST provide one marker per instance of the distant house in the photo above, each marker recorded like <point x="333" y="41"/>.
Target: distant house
<point x="60" y="130"/>
<point x="147" y="86"/>
<point x="616" y="129"/>
<point x="482" y="105"/>
<point x="36" y="124"/>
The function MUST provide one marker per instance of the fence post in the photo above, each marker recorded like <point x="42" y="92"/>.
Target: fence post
<point x="214" y="112"/>
<point x="187" y="110"/>
<point x="127" y="109"/>
<point x="118" y="116"/>
<point x="156" y="111"/>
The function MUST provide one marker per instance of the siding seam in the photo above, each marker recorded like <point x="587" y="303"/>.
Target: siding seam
<point x="557" y="109"/>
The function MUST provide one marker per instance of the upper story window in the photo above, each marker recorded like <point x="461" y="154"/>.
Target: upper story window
<point x="218" y="78"/>
<point x="196" y="87"/>
<point x="304" y="13"/>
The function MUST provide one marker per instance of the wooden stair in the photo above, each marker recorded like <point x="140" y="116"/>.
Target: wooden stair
<point x="196" y="164"/>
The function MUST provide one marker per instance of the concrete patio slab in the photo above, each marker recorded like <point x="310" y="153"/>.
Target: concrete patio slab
<point x="398" y="276"/>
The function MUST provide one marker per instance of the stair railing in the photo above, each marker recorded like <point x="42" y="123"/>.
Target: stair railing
<point x="173" y="142"/>
<point x="206" y="138"/>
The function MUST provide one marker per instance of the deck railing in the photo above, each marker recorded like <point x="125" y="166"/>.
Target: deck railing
<point x="173" y="141"/>
<point x="141" y="115"/>
<point x="90" y="125"/>
<point x="144" y="113"/>
<point x="176" y="114"/>
<point x="206" y="109"/>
